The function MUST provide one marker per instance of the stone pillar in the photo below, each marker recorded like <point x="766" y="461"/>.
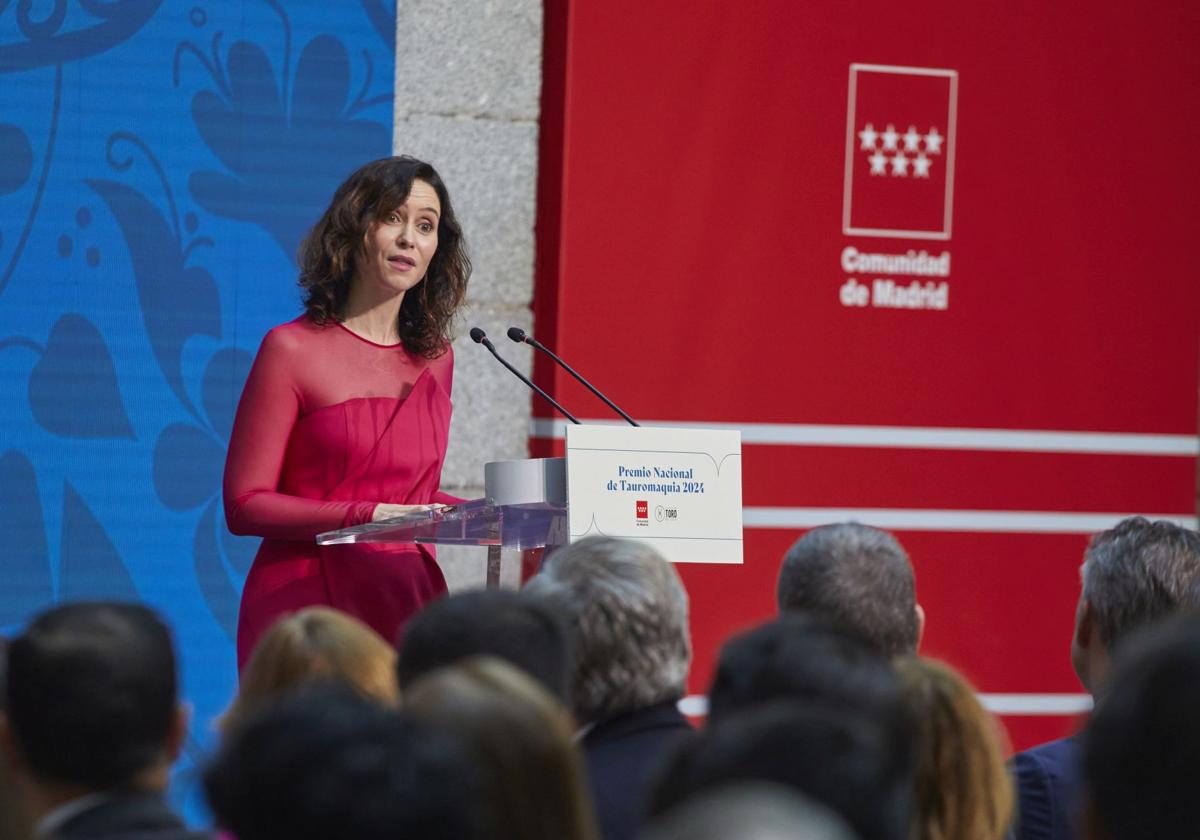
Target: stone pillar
<point x="468" y="81"/>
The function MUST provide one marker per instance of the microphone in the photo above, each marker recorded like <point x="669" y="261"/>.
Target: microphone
<point x="480" y="337"/>
<point x="521" y="337"/>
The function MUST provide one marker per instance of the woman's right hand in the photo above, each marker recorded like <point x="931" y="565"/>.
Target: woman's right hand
<point x="385" y="511"/>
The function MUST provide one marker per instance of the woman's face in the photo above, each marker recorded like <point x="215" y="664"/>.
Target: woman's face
<point x="398" y="250"/>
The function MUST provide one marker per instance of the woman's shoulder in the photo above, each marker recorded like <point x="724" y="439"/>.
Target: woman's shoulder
<point x="441" y="365"/>
<point x="445" y="356"/>
<point x="291" y="342"/>
<point x="295" y="333"/>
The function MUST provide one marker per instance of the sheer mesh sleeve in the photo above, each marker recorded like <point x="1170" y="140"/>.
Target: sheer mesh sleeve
<point x="270" y="406"/>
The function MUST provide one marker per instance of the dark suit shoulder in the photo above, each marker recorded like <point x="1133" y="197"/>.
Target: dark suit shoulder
<point x="1058" y="758"/>
<point x="1047" y="782"/>
<point x="624" y="755"/>
<point x="129" y="816"/>
<point x="663" y="718"/>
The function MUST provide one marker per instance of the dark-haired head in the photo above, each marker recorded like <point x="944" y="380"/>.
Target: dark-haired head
<point x="813" y="661"/>
<point x="1139" y="749"/>
<point x="859" y="577"/>
<point x="15" y="819"/>
<point x="521" y="628"/>
<point x="91" y="695"/>
<point x="840" y="756"/>
<point x="323" y="762"/>
<point x="802" y="657"/>
<point x="330" y="252"/>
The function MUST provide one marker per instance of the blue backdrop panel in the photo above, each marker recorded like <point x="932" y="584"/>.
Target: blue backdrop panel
<point x="159" y="164"/>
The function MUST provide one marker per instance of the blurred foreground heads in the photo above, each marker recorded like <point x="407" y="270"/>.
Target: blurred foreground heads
<point x="1141" y="749"/>
<point x="799" y="703"/>
<point x="963" y="789"/>
<point x="629" y="616"/>
<point x="15" y="823"/>
<point x="520" y="738"/>
<point x="93" y="723"/>
<point x="315" y="644"/>
<point x="810" y="659"/>
<point x="520" y="628"/>
<point x="323" y="763"/>
<point x="750" y="812"/>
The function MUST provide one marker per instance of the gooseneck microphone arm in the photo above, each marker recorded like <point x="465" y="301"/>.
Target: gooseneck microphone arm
<point x="521" y="337"/>
<point x="480" y="337"/>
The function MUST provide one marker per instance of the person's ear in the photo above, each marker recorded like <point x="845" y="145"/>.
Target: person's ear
<point x="1093" y="826"/>
<point x="1085" y="624"/>
<point x="8" y="744"/>
<point x="177" y="734"/>
<point x="920" y="611"/>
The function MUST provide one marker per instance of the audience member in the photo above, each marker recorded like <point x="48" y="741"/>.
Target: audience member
<point x="858" y="577"/>
<point x="14" y="817"/>
<point x="521" y="738"/>
<point x="518" y="627"/>
<point x="820" y="675"/>
<point x="316" y="643"/>
<point x="1139" y="751"/>
<point x="1133" y="575"/>
<point x="822" y="723"/>
<point x="324" y="763"/>
<point x="755" y="811"/>
<point x="963" y="789"/>
<point x="807" y="658"/>
<point x="840" y="756"/>
<point x="93" y="724"/>
<point x="632" y="652"/>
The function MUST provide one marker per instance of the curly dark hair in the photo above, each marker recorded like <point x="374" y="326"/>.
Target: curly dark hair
<point x="327" y="256"/>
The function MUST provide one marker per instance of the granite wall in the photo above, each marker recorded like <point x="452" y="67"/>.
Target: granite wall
<point x="468" y="81"/>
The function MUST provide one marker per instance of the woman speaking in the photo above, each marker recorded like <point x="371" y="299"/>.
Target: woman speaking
<point x="345" y="414"/>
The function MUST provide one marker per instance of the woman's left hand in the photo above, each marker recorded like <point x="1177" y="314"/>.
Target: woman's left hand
<point x="386" y="511"/>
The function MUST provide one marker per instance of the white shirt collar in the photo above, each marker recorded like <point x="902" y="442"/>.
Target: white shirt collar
<point x="66" y="812"/>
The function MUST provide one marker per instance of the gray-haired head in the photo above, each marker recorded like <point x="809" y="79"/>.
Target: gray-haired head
<point x="750" y="811"/>
<point x="1138" y="572"/>
<point x="858" y="577"/>
<point x="630" y="615"/>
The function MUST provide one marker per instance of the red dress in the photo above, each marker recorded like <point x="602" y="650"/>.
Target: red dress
<point x="329" y="425"/>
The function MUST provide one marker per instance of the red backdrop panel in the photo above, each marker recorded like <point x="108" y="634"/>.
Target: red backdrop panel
<point x="692" y="197"/>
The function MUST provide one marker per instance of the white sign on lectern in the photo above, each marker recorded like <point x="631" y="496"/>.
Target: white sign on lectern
<point x="680" y="490"/>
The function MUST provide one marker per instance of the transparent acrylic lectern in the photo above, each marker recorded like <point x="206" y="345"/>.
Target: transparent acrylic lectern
<point x="524" y="507"/>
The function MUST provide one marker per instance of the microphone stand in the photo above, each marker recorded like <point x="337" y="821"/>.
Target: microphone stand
<point x="520" y="336"/>
<point x="480" y="337"/>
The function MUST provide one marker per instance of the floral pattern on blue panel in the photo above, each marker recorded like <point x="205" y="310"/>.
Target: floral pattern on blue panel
<point x="135" y="284"/>
<point x="73" y="388"/>
<point x="65" y="33"/>
<point x="25" y="573"/>
<point x="16" y="158"/>
<point x="90" y="568"/>
<point x="178" y="301"/>
<point x="278" y="162"/>
<point x="187" y="467"/>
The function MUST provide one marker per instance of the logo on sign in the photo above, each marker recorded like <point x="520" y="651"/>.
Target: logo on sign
<point x="899" y="152"/>
<point x="643" y="510"/>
